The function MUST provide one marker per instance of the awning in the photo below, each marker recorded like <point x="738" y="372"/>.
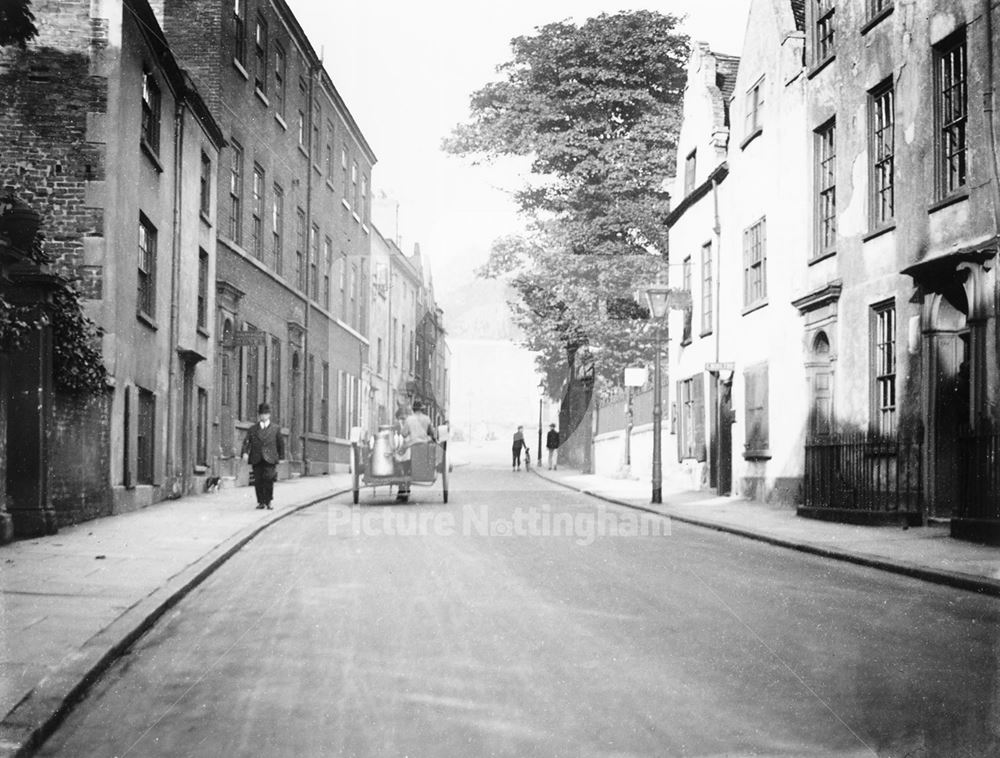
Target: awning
<point x="939" y="272"/>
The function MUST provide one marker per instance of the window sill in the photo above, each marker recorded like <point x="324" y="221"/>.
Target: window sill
<point x="356" y="217"/>
<point x="755" y="306"/>
<point x="821" y="257"/>
<point x="757" y="455"/>
<point x="147" y="320"/>
<point x="958" y="197"/>
<point x="303" y="151"/>
<point x="205" y="219"/>
<point x="345" y="203"/>
<point x="877" y="19"/>
<point x="150" y="152"/>
<point x="364" y="228"/>
<point x="203" y="332"/>
<point x="751" y="137"/>
<point x="318" y="170"/>
<point x="329" y="184"/>
<point x="706" y="333"/>
<point x="281" y="122"/>
<point x="879" y="232"/>
<point x="821" y="65"/>
<point x="685" y="341"/>
<point x="239" y="67"/>
<point x="261" y="96"/>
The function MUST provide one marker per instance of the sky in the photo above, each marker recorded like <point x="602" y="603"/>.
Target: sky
<point x="406" y="70"/>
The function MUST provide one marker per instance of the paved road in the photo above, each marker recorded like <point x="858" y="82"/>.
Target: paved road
<point x="325" y="637"/>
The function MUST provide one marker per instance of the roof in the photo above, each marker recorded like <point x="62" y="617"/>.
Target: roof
<point x="799" y="12"/>
<point x="726" y="67"/>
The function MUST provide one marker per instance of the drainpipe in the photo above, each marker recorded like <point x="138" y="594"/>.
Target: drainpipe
<point x="991" y="133"/>
<point x="717" y="306"/>
<point x="306" y="367"/>
<point x="175" y="254"/>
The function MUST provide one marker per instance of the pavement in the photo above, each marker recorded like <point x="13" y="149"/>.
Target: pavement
<point x="72" y="602"/>
<point x="928" y="552"/>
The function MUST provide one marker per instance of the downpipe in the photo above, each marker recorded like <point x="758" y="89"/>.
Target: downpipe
<point x="176" y="487"/>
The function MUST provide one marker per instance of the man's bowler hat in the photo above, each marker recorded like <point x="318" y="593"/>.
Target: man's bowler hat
<point x="263" y="408"/>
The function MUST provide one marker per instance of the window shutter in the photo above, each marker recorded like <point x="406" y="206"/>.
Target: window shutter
<point x="681" y="442"/>
<point x="698" y="409"/>
<point x="764" y="438"/>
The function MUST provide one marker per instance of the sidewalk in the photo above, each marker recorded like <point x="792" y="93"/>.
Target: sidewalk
<point x="927" y="553"/>
<point x="72" y="602"/>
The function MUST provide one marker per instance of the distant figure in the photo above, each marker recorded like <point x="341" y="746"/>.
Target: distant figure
<point x="516" y="448"/>
<point x="552" y="444"/>
<point x="263" y="447"/>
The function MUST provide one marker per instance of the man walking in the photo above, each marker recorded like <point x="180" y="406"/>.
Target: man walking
<point x="515" y="448"/>
<point x="263" y="447"/>
<point x="552" y="444"/>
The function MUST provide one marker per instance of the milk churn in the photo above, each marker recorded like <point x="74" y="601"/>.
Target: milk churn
<point x="382" y="462"/>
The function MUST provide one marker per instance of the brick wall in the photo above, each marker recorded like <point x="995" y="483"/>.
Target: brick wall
<point x="79" y="458"/>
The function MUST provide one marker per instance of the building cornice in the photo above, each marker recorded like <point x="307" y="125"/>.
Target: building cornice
<point x="718" y="175"/>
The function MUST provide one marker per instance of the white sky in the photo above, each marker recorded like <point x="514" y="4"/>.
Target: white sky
<point x="406" y="70"/>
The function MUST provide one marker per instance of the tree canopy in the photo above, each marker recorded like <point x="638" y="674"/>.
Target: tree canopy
<point x="17" y="22"/>
<point x="596" y="107"/>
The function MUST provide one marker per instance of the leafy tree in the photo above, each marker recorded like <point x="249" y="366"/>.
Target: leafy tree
<point x="597" y="108"/>
<point x="17" y="23"/>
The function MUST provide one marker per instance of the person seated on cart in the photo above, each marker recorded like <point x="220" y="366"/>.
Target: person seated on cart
<point x="416" y="427"/>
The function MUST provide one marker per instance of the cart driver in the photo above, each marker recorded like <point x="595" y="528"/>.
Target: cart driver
<point x="416" y="427"/>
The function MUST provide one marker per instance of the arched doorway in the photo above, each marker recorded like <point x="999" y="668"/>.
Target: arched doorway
<point x="819" y="369"/>
<point x="949" y="391"/>
<point x="295" y="409"/>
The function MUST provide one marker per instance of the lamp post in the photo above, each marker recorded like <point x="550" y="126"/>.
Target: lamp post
<point x="538" y="450"/>
<point x="658" y="299"/>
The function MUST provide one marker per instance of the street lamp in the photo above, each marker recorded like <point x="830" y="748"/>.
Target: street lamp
<point x="658" y="299"/>
<point x="538" y="450"/>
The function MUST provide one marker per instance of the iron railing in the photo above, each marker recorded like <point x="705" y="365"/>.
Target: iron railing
<point x="979" y="474"/>
<point x="863" y="472"/>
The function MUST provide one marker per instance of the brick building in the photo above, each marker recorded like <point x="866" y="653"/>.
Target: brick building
<point x="107" y="138"/>
<point x="293" y="230"/>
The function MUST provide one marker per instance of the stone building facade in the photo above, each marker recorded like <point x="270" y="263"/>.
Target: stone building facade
<point x="106" y="137"/>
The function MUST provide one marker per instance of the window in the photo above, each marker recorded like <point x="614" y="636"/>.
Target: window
<point x="260" y="54"/>
<point x="877" y="7"/>
<point x="686" y="286"/>
<point x="824" y="29"/>
<point x="354" y="183"/>
<point x="311" y="394"/>
<point x="882" y="148"/>
<point x="202" y="289"/>
<point x="280" y="71"/>
<point x="826" y="188"/>
<point x="240" y="32"/>
<point x="378" y="357"/>
<point x="327" y="264"/>
<point x="706" y="288"/>
<point x="754" y="118"/>
<point x="236" y="194"/>
<point x="754" y="264"/>
<point x="201" y="432"/>
<point x="225" y="370"/>
<point x="250" y="370"/>
<point x="205" y="186"/>
<point x="329" y="151"/>
<point x="343" y="170"/>
<point x="395" y="348"/>
<point x="277" y="224"/>
<point x="145" y="437"/>
<point x="690" y="164"/>
<point x="274" y="396"/>
<point x="952" y="113"/>
<point x="883" y="366"/>
<point x="691" y="421"/>
<point x="342" y="276"/>
<point x="364" y="200"/>
<point x="757" y="435"/>
<point x="302" y="129"/>
<point x="257" y="214"/>
<point x="324" y="400"/>
<point x="317" y="116"/>
<point x="300" y="248"/>
<point x="354" y="296"/>
<point x="146" y="303"/>
<point x="314" y="262"/>
<point x="150" y="112"/>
